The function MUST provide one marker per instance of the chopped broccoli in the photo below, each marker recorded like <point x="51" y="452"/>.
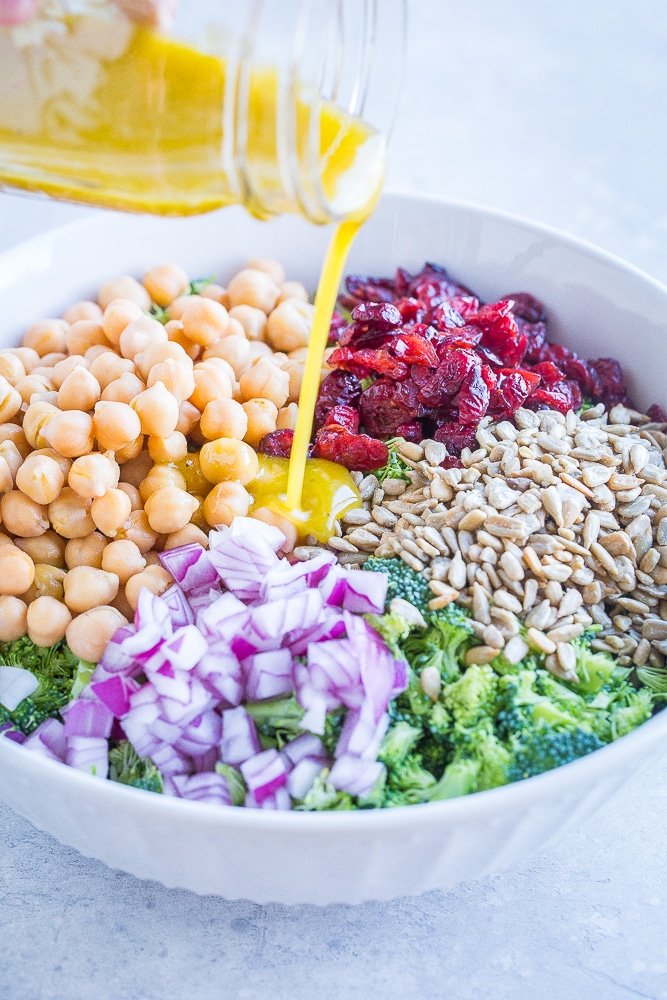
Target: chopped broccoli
<point x="442" y="644"/>
<point x="403" y="582"/>
<point x="323" y="796"/>
<point x="472" y="697"/>
<point x="235" y="782"/>
<point x="654" y="678"/>
<point x="395" y="468"/>
<point x="278" y="720"/>
<point x="543" y="749"/>
<point x="126" y="767"/>
<point x="55" y="668"/>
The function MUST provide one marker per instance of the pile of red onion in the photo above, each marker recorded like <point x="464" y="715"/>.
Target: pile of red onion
<point x="240" y="625"/>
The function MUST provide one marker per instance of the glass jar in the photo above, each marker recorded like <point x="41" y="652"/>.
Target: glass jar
<point x="281" y="105"/>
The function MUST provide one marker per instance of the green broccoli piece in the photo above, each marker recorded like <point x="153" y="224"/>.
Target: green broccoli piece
<point x="393" y="628"/>
<point x="654" y="678"/>
<point x="55" y="668"/>
<point x="235" y="782"/>
<point x="278" y="720"/>
<point x="544" y="748"/>
<point x="459" y="778"/>
<point x="442" y="644"/>
<point x="403" y="581"/>
<point x="472" y="697"/>
<point x="395" y="468"/>
<point x="630" y="710"/>
<point x="322" y="796"/>
<point x="594" y="670"/>
<point x="197" y="286"/>
<point x="126" y="767"/>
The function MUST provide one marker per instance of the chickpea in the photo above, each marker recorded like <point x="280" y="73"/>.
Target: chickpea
<point x="262" y="415"/>
<point x="17" y="570"/>
<point x="289" y="325"/>
<point x="46" y="336"/>
<point x="186" y="536"/>
<point x="161" y="477"/>
<point x="210" y="383"/>
<point x="11" y="399"/>
<point x="286" y="418"/>
<point x="115" y="425"/>
<point x="86" y="550"/>
<point x="172" y="448"/>
<point x="47" y="549"/>
<point x="130" y="451"/>
<point x="292" y="290"/>
<point x="85" y="334"/>
<point x="252" y="320"/>
<point x="124" y="287"/>
<point x="170" y="509"/>
<point x="165" y="283"/>
<point x="178" y="378"/>
<point x="235" y="350"/>
<point x="157" y="410"/>
<point x="95" y="352"/>
<point x="176" y="307"/>
<point x="155" y="578"/>
<point x="64" y="464"/>
<point x="49" y="360"/>
<point x="40" y="478"/>
<point x="138" y="334"/>
<point x="273" y="268"/>
<point x="133" y="493"/>
<point x="139" y="531"/>
<point x="267" y="381"/>
<point x="12" y="618"/>
<point x="79" y="391"/>
<point x="35" y="420"/>
<point x="123" y="558"/>
<point x="118" y="314"/>
<point x="83" y="310"/>
<point x="226" y="459"/>
<point x="92" y="475"/>
<point x="158" y="352"/>
<point x="111" y="511"/>
<point x="48" y="582"/>
<point x="123" y="389"/>
<point x="223" y="418"/>
<point x="47" y="620"/>
<point x="296" y="371"/>
<point x="204" y="320"/>
<point x="258" y="349"/>
<point x="23" y="516"/>
<point x="251" y="287"/>
<point x="109" y="366"/>
<point x="11" y="367"/>
<point x="33" y="385"/>
<point x="136" y="470"/>
<point x="70" y="433"/>
<point x="6" y="478"/>
<point x="14" y="434"/>
<point x="287" y="527"/>
<point x="62" y="369"/>
<point x="177" y="336"/>
<point x="217" y="293"/>
<point x="12" y="458"/>
<point x="88" y="634"/>
<point x="87" y="587"/>
<point x="225" y="502"/>
<point x="29" y="357"/>
<point x="121" y="603"/>
<point x="188" y="416"/>
<point x="70" y="515"/>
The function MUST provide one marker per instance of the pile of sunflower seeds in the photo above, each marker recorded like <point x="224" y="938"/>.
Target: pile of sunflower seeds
<point x="554" y="523"/>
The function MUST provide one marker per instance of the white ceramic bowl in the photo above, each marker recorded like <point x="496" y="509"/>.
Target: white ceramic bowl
<point x="598" y="305"/>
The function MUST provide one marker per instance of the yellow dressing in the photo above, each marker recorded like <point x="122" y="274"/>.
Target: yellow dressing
<point x="328" y="492"/>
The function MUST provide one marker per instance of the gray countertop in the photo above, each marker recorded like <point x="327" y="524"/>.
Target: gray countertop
<point x="556" y="112"/>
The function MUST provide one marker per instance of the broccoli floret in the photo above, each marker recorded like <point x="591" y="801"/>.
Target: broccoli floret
<point x="629" y="711"/>
<point x="278" y="720"/>
<point x="459" y="778"/>
<point x="55" y="668"/>
<point x="472" y="697"/>
<point x="398" y="743"/>
<point x="546" y="748"/>
<point x="393" y="628"/>
<point x="403" y="581"/>
<point x="654" y="678"/>
<point x="594" y="670"/>
<point x="235" y="782"/>
<point x="126" y="767"/>
<point x="407" y="783"/>
<point x="442" y="644"/>
<point x="323" y="796"/>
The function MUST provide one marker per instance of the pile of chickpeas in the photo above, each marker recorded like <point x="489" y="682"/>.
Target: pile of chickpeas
<point x="122" y="436"/>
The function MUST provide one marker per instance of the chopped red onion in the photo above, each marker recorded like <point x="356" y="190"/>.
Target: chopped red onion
<point x="15" y="685"/>
<point x="180" y="609"/>
<point x="361" y="735"/>
<point x="220" y="672"/>
<point x="306" y="745"/>
<point x="49" y="737"/>
<point x="185" y="648"/>
<point x="88" y="753"/>
<point x="115" y="693"/>
<point x="204" y="732"/>
<point x="205" y="787"/>
<point x="264" y="774"/>
<point x="355" y="775"/>
<point x="87" y="718"/>
<point x="243" y="560"/>
<point x="280" y="800"/>
<point x="239" y="740"/>
<point x="268" y="675"/>
<point x="9" y="732"/>
<point x="170" y="761"/>
<point x="300" y="779"/>
<point x="190" y="566"/>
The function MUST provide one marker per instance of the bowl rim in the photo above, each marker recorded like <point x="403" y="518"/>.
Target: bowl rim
<point x="72" y="781"/>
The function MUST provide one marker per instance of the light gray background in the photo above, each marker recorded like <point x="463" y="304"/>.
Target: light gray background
<point x="555" y="111"/>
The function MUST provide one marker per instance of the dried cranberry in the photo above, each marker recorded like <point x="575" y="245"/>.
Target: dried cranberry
<point x="445" y="316"/>
<point x="339" y="388"/>
<point x="415" y="350"/>
<point x="355" y="451"/>
<point x="446" y="381"/>
<point x="411" y="310"/>
<point x="512" y="390"/>
<point x="473" y="398"/>
<point x="277" y="443"/>
<point x="536" y="336"/>
<point x="612" y="384"/>
<point x="451" y="462"/>
<point x="433" y="284"/>
<point x="387" y="404"/>
<point x="497" y="323"/>
<point x="466" y="338"/>
<point x="580" y="371"/>
<point x="338" y="324"/>
<point x="343" y="416"/>
<point x="381" y="315"/>
<point x="412" y="431"/>
<point x="657" y="414"/>
<point x="527" y="307"/>
<point x="359" y="335"/>
<point x="367" y="360"/>
<point x="456" y="437"/>
<point x="562" y="396"/>
<point x="548" y="372"/>
<point x="361" y="288"/>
